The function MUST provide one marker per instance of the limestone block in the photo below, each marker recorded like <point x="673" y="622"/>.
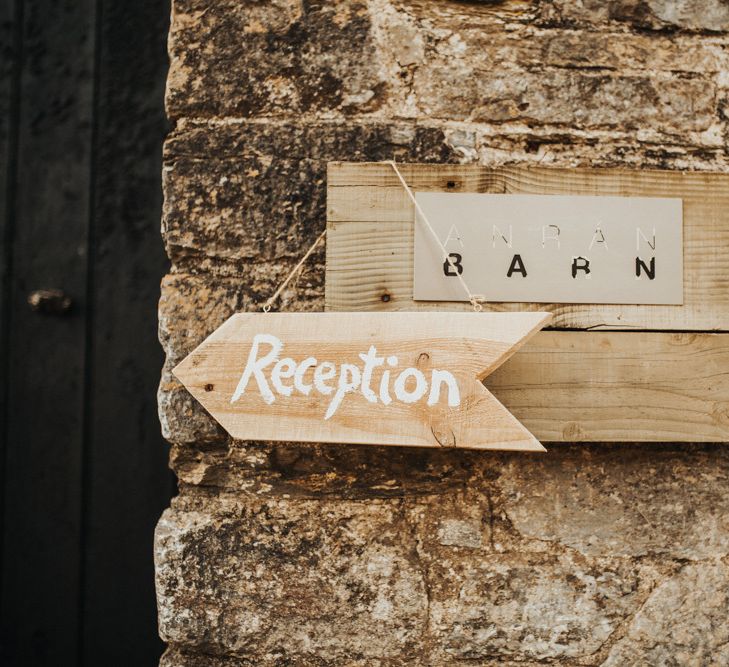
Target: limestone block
<point x="308" y="471"/>
<point x="683" y="622"/>
<point x="469" y="67"/>
<point x="250" y="197"/>
<point x="305" y="580"/>
<point x="699" y="15"/>
<point x="572" y="98"/>
<point x="321" y="582"/>
<point x="532" y="609"/>
<point x="624" y="501"/>
<point x="245" y="58"/>
<point x="190" y="309"/>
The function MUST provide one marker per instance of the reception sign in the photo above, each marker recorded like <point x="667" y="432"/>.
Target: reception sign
<point x="410" y="379"/>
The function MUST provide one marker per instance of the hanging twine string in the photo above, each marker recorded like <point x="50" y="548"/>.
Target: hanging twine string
<point x="302" y="261"/>
<point x="474" y="299"/>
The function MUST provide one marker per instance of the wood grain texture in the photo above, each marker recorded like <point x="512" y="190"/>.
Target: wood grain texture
<point x="465" y="346"/>
<point x="10" y="39"/>
<point x="370" y="238"/>
<point x="46" y="368"/>
<point x="619" y="386"/>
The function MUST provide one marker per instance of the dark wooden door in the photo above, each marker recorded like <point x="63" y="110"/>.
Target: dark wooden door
<point x="84" y="474"/>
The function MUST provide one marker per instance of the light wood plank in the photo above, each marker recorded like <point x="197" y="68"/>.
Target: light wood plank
<point x="370" y="238"/>
<point x="365" y="398"/>
<point x="562" y="386"/>
<point x="619" y="386"/>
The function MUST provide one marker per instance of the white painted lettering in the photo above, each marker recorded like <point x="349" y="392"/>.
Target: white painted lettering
<point x="497" y="233"/>
<point x="325" y="371"/>
<point x="410" y="386"/>
<point x="444" y="377"/>
<point x="401" y="391"/>
<point x="349" y="379"/>
<point x="598" y="237"/>
<point x="304" y="366"/>
<point x="255" y="367"/>
<point x="384" y="384"/>
<point x="453" y="235"/>
<point x="371" y="361"/>
<point x="552" y="236"/>
<point x="640" y="235"/>
<point x="285" y="368"/>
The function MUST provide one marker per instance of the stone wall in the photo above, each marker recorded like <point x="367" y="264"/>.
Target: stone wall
<point x="297" y="554"/>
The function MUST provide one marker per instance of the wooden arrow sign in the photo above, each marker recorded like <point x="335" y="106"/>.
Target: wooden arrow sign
<point x="364" y="378"/>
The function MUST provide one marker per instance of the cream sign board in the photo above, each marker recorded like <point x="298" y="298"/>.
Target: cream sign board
<point x="549" y="248"/>
<point x="409" y="379"/>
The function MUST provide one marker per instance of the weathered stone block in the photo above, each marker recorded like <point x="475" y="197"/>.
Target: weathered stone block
<point x="318" y="581"/>
<point x="190" y="309"/>
<point x="556" y="608"/>
<point x="572" y="98"/>
<point x="246" y="58"/>
<point x="694" y="15"/>
<point x="247" y="197"/>
<point x="298" y="580"/>
<point x="682" y="623"/>
<point x="661" y="502"/>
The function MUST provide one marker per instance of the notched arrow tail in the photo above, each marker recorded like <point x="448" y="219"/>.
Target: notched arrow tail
<point x="492" y="426"/>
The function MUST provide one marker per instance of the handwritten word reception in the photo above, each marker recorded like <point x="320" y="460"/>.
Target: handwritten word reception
<point x="346" y="377"/>
<point x="409" y="379"/>
<point x="549" y="248"/>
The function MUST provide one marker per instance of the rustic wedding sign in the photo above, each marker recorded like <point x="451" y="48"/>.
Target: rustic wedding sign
<point x="411" y="379"/>
<point x="652" y="368"/>
<point x="549" y="248"/>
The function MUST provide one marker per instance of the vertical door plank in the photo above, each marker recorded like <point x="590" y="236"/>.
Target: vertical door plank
<point x="129" y="483"/>
<point x="9" y="63"/>
<point x="45" y="375"/>
<point x="9" y="60"/>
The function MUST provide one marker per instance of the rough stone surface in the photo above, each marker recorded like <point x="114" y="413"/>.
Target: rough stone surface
<point x="290" y="554"/>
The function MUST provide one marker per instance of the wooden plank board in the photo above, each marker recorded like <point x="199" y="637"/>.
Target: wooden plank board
<point x="10" y="38"/>
<point x="41" y="568"/>
<point x="408" y="379"/>
<point x="619" y="386"/>
<point x="562" y="385"/>
<point x="371" y="222"/>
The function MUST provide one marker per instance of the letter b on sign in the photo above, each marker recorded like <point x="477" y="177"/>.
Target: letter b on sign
<point x="452" y="266"/>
